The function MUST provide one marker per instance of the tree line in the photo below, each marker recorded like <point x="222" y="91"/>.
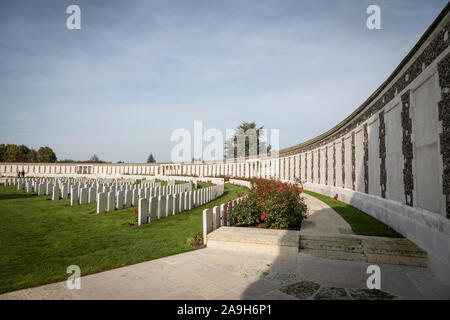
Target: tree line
<point x="21" y="153"/>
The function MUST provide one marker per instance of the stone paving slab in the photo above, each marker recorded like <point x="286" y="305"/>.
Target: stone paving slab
<point x="215" y="274"/>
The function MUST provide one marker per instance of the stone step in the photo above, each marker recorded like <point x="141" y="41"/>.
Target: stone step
<point x="397" y="251"/>
<point x="255" y="240"/>
<point x="335" y="255"/>
<point x="355" y="247"/>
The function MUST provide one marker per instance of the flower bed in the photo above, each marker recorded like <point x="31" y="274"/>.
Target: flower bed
<point x="269" y="204"/>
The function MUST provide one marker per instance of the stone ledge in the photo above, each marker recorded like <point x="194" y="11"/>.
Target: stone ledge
<point x="255" y="240"/>
<point x="398" y="251"/>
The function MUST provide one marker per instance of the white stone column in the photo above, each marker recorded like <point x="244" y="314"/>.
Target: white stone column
<point x="176" y="203"/>
<point x="73" y="196"/>
<point x="142" y="211"/>
<point x="91" y="197"/>
<point x="83" y="195"/>
<point x="207" y="226"/>
<point x="64" y="191"/>
<point x="153" y="209"/>
<point x="55" y="192"/>
<point x="128" y="198"/>
<point x="223" y="208"/>
<point x="101" y="202"/>
<point x="40" y="189"/>
<point x="169" y="205"/>
<point x="111" y="201"/>
<point x="120" y="198"/>
<point x="161" y="207"/>
<point x="216" y="217"/>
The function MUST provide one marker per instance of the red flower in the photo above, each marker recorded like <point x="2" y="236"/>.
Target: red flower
<point x="135" y="211"/>
<point x="263" y="216"/>
<point x="336" y="196"/>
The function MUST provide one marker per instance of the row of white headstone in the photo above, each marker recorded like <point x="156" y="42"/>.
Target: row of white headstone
<point x="218" y="217"/>
<point x="84" y="191"/>
<point x="155" y="208"/>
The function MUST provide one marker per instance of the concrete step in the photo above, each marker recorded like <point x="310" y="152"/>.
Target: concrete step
<point x="255" y="240"/>
<point x="398" y="251"/>
<point x="351" y="247"/>
<point x="335" y="255"/>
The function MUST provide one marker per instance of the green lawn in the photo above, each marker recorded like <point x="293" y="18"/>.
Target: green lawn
<point x="361" y="223"/>
<point x="40" y="238"/>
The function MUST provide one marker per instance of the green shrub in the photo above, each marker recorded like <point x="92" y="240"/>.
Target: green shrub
<point x="270" y="204"/>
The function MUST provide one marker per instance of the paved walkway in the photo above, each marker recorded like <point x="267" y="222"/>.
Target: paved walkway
<point x="322" y="219"/>
<point x="215" y="274"/>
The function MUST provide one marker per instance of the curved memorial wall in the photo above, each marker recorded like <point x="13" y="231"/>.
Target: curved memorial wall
<point x="389" y="158"/>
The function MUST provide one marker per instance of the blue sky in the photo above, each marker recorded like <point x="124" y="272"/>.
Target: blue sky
<point x="137" y="70"/>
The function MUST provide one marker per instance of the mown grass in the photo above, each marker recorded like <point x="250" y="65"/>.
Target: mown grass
<point x="360" y="222"/>
<point x="40" y="238"/>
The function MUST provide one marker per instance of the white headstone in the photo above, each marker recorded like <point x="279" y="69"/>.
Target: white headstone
<point x="101" y="202"/>
<point x="207" y="226"/>
<point x="142" y="211"/>
<point x="153" y="207"/>
<point x="161" y="207"/>
<point x="111" y="201"/>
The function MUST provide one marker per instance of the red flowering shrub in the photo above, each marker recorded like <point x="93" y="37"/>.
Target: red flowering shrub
<point x="270" y="204"/>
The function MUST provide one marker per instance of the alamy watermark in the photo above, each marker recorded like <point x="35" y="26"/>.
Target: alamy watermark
<point x="74" y="20"/>
<point x="213" y="144"/>
<point x="74" y="280"/>
<point x="374" y="19"/>
<point x="374" y="280"/>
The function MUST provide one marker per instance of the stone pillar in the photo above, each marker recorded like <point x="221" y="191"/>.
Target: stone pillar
<point x="101" y="202"/>
<point x="182" y="201"/>
<point x="83" y="195"/>
<point x="49" y="189"/>
<point x="135" y="197"/>
<point x="169" y="205"/>
<point x="91" y="198"/>
<point x="216" y="217"/>
<point x="64" y="191"/>
<point x="176" y="203"/>
<point x="188" y="200"/>
<point x="128" y="195"/>
<point x="111" y="201"/>
<point x="55" y="192"/>
<point x="223" y="218"/>
<point x="142" y="211"/>
<point x="40" y="189"/>
<point x="153" y="207"/>
<point x="226" y="214"/>
<point x="120" y="198"/>
<point x="73" y="196"/>
<point x="207" y="226"/>
<point x="161" y="207"/>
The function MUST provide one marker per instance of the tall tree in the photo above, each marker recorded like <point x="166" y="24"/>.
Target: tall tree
<point x="150" y="158"/>
<point x="2" y="152"/>
<point x="246" y="141"/>
<point x="46" y="154"/>
<point x="16" y="153"/>
<point x="94" y="159"/>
